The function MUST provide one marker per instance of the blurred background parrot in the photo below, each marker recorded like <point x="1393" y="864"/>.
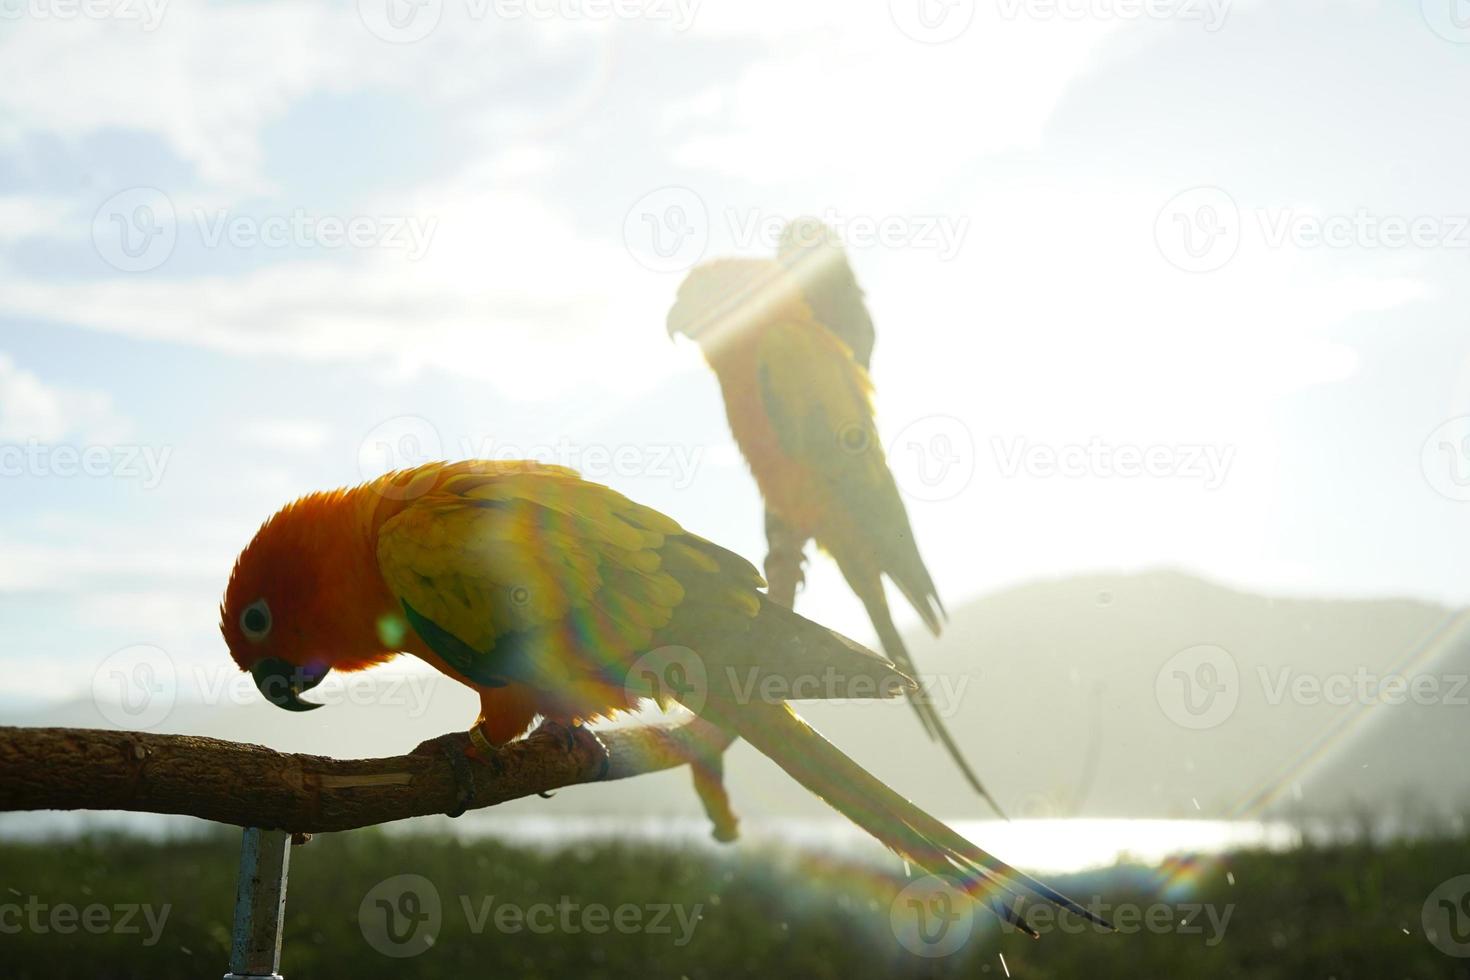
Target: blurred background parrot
<point x="811" y="252"/>
<point x="542" y="592"/>
<point x="799" y="402"/>
<point x="814" y="256"/>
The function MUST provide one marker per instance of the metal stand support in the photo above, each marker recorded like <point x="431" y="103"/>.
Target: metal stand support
<point x="260" y="905"/>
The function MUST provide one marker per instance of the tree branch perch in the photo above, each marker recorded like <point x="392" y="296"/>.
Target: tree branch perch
<point x="253" y="786"/>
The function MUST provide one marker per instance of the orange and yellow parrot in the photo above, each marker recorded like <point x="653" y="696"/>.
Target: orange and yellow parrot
<point x="541" y="591"/>
<point x="800" y="408"/>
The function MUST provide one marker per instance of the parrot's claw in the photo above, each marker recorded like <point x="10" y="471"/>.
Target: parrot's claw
<point x="464" y="778"/>
<point x="481" y="750"/>
<point x="569" y="734"/>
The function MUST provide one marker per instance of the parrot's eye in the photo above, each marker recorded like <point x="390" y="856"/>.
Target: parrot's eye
<point x="255" y="621"/>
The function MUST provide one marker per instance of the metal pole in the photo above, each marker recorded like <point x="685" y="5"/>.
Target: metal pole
<point x="260" y="905"/>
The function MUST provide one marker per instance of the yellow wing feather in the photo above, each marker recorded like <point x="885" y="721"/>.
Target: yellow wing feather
<point x="535" y="576"/>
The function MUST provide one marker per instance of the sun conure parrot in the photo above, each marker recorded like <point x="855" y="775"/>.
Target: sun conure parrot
<point x="800" y="408"/>
<point x="540" y="591"/>
<point x="814" y="256"/>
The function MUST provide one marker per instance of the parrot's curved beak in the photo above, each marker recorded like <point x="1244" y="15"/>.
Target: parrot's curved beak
<point x="677" y="322"/>
<point x="282" y="683"/>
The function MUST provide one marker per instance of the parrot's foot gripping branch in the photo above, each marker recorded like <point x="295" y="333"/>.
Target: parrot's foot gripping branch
<point x="464" y="774"/>
<point x="569" y="735"/>
<point x="468" y="751"/>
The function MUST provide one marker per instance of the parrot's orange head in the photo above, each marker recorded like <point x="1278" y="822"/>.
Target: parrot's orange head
<point x="292" y="611"/>
<point x="724" y="300"/>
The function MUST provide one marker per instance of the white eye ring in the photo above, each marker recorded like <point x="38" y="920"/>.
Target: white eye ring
<point x="255" y="621"/>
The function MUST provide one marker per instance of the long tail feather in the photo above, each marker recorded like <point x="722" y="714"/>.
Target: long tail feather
<point x="821" y="767"/>
<point x="894" y="647"/>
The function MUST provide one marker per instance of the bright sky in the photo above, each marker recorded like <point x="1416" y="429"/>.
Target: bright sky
<point x="248" y="250"/>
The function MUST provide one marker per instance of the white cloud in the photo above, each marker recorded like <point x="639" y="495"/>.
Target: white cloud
<point x="865" y="106"/>
<point x="507" y="285"/>
<point x="31" y="409"/>
<point x="74" y="567"/>
<point x="206" y="80"/>
<point x="25" y="216"/>
<point x="286" y="435"/>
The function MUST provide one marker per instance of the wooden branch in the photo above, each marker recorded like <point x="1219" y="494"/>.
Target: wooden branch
<point x="252" y="786"/>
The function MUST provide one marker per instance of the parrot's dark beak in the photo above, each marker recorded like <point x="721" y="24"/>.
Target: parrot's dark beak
<point x="282" y="683"/>
<point x="676" y="322"/>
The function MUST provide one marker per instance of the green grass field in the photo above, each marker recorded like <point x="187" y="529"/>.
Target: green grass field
<point x="1351" y="911"/>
